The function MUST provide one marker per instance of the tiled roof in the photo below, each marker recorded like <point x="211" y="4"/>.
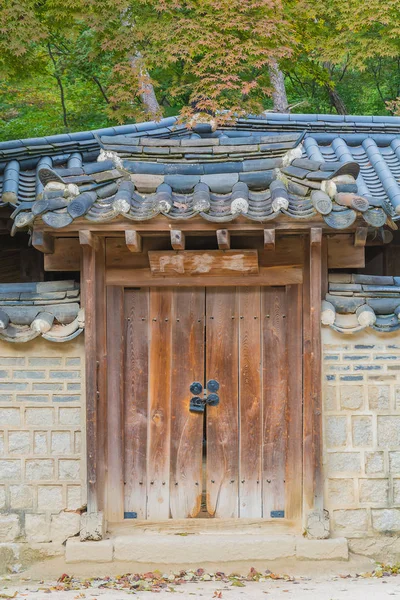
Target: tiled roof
<point x="325" y="166"/>
<point x="50" y="309"/>
<point x="357" y="302"/>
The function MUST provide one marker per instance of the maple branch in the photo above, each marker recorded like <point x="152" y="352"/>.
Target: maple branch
<point x="101" y="88"/>
<point x="60" y="85"/>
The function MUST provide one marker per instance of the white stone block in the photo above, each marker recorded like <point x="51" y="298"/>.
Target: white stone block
<point x="39" y="469"/>
<point x="374" y="491"/>
<point x="61" y="442"/>
<point x="50" y="497"/>
<point x="37" y="528"/>
<point x="10" y="469"/>
<point x="93" y="526"/>
<point x="41" y="417"/>
<point x="352" y="523"/>
<point x="341" y="492"/>
<point x="19" y="442"/>
<point x="64" y="526"/>
<point x="351" y="397"/>
<point x="40" y="442"/>
<point x="74" y="497"/>
<point x="318" y="524"/>
<point x="386" y="520"/>
<point x="70" y="416"/>
<point x="69" y="469"/>
<point x="9" y="528"/>
<point x="331" y="549"/>
<point x="196" y="549"/>
<point x="21" y="496"/>
<point x="99" y="552"/>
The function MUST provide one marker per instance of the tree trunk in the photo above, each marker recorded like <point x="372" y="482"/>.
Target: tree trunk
<point x="336" y="101"/>
<point x="334" y="97"/>
<point x="147" y="93"/>
<point x="278" y="83"/>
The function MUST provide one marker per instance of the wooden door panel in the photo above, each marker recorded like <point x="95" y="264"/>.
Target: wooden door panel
<point x="222" y="420"/>
<point x="136" y="399"/>
<point x="159" y="415"/>
<point x="294" y="464"/>
<point x="186" y="427"/>
<point x="250" y="402"/>
<point x="115" y="372"/>
<point x="275" y="398"/>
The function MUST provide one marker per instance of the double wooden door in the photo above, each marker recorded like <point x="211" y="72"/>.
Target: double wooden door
<point x="240" y="458"/>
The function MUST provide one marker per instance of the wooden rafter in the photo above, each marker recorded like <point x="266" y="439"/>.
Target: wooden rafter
<point x="223" y="239"/>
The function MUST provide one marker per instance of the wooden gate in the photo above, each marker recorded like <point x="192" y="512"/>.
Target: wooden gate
<point x="248" y="339"/>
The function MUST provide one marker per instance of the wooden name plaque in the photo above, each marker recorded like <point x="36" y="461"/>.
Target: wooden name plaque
<point x="207" y="263"/>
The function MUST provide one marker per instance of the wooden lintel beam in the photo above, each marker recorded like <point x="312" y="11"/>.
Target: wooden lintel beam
<point x="360" y="236"/>
<point x="87" y="238"/>
<point x="177" y="239"/>
<point x="269" y="239"/>
<point x="133" y="241"/>
<point x="316" y="236"/>
<point x="43" y="242"/>
<point x="223" y="239"/>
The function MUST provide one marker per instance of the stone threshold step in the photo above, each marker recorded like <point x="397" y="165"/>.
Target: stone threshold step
<point x="164" y="549"/>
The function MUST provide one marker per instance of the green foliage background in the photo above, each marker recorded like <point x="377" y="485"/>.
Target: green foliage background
<point x="83" y="47"/>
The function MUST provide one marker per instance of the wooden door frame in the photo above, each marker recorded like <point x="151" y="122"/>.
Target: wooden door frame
<point x="94" y="280"/>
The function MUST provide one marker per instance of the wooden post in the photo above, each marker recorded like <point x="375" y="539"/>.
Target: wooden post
<point x="101" y="365"/>
<point x="312" y="385"/>
<point x="89" y="303"/>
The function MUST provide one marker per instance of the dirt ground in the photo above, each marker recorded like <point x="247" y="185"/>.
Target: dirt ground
<point x="297" y="580"/>
<point x="302" y="589"/>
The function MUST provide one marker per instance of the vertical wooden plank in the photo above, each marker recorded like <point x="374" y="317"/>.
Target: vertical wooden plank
<point x="89" y="302"/>
<point x="275" y="398"/>
<point x="324" y="266"/>
<point x="115" y="374"/>
<point x="159" y="422"/>
<point x="250" y="403"/>
<point x="136" y="399"/>
<point x="312" y="418"/>
<point x="186" y="426"/>
<point x="101" y="344"/>
<point x="294" y="460"/>
<point x="222" y="420"/>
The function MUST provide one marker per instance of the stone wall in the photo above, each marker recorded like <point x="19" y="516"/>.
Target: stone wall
<point x="42" y="454"/>
<point x="362" y="432"/>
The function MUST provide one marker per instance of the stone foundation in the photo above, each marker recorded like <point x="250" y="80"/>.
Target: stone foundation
<point x="362" y="434"/>
<point x="42" y="441"/>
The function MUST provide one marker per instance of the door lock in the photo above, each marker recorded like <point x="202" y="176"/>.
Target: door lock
<point x="197" y="404"/>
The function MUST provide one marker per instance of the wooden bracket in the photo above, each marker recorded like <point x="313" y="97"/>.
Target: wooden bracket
<point x="223" y="239"/>
<point x="360" y="236"/>
<point x="177" y="239"/>
<point x="315" y="236"/>
<point x="269" y="239"/>
<point x="86" y="238"/>
<point x="43" y="242"/>
<point x="133" y="241"/>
